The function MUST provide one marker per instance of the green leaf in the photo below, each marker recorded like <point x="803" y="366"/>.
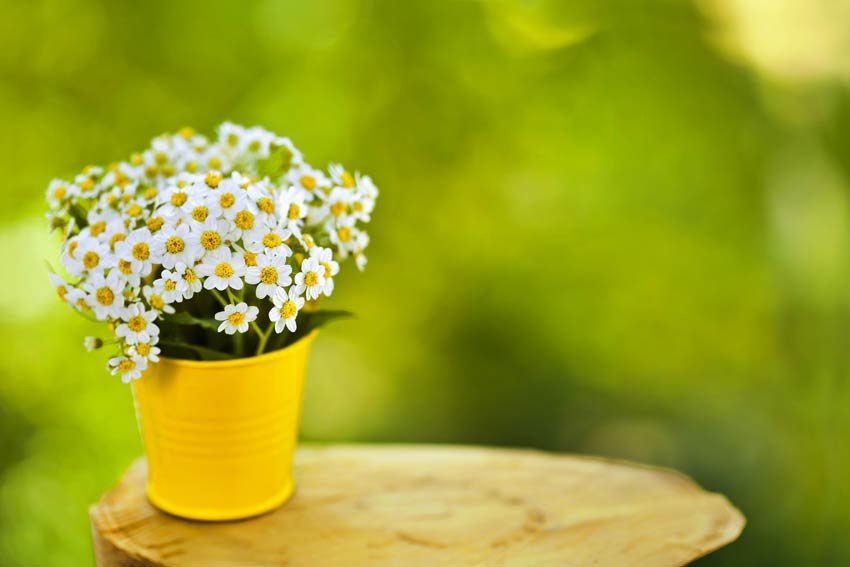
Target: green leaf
<point x="315" y="319"/>
<point x="79" y="215"/>
<point x="184" y="318"/>
<point x="203" y="353"/>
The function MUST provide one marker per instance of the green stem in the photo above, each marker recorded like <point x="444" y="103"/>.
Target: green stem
<point x="219" y="297"/>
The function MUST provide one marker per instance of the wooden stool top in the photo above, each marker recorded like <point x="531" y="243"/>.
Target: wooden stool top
<point x="411" y="506"/>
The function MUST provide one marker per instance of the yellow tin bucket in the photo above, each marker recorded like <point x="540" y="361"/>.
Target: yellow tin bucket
<point x="220" y="436"/>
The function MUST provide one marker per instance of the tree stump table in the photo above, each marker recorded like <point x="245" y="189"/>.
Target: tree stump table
<point x="411" y="506"/>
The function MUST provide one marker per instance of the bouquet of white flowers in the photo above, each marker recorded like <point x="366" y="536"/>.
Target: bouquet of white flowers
<point x="181" y="248"/>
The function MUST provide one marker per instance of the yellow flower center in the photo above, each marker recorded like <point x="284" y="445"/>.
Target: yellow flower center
<point x="288" y="309"/>
<point x="97" y="228"/>
<point x="167" y="170"/>
<point x="150" y="193"/>
<point x="271" y="240"/>
<point x="134" y="210"/>
<point x="59" y="192"/>
<point x="347" y="179"/>
<point x="200" y="214"/>
<point x="191" y="167"/>
<point x="186" y="132"/>
<point x="160" y="158"/>
<point x="268" y="275"/>
<point x="344" y="234"/>
<point x="308" y="240"/>
<point x="213" y="178"/>
<point x="61" y="291"/>
<point x="91" y="259"/>
<point x="311" y="278"/>
<point x="210" y="240"/>
<point x="224" y="270"/>
<point x="236" y="319"/>
<point x="266" y="205"/>
<point x="308" y="182"/>
<point x="157" y="302"/>
<point x="126" y="198"/>
<point x="121" y="180"/>
<point x="81" y="303"/>
<point x="232" y="139"/>
<point x="174" y="245"/>
<point x="327" y="268"/>
<point x="126" y="365"/>
<point x="250" y="258"/>
<point x="357" y="206"/>
<point x="254" y="146"/>
<point x="87" y="184"/>
<point x="104" y="296"/>
<point x="244" y="220"/>
<point x="150" y="171"/>
<point x="143" y="349"/>
<point x="170" y="285"/>
<point x="189" y="275"/>
<point x="155" y="223"/>
<point x="179" y="198"/>
<point x="141" y="251"/>
<point x="337" y="208"/>
<point x="214" y="163"/>
<point x="125" y="267"/>
<point x="72" y="247"/>
<point x="137" y="323"/>
<point x="226" y="201"/>
<point x="294" y="212"/>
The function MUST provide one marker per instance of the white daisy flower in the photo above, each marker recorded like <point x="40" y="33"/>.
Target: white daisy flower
<point x="202" y="207"/>
<point x="147" y="351"/>
<point x="156" y="299"/>
<point x="174" y="201"/>
<point x="311" y="279"/>
<point x="60" y="192"/>
<point x="214" y="234"/>
<point x="222" y="269"/>
<point x="138" y="249"/>
<point x="293" y="209"/>
<point x="269" y="272"/>
<point x="236" y="318"/>
<point x="340" y="176"/>
<point x="337" y="204"/>
<point x="307" y="179"/>
<point x="169" y="285"/>
<point x="244" y="218"/>
<point x="229" y="198"/>
<point x="285" y="310"/>
<point x="176" y="244"/>
<point x="325" y="259"/>
<point x="190" y="282"/>
<point x="84" y="253"/>
<point x="269" y="239"/>
<point x="138" y="326"/>
<point x="62" y="287"/>
<point x="344" y="236"/>
<point x="130" y="367"/>
<point x="105" y="295"/>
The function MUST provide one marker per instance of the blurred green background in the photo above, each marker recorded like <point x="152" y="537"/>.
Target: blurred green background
<point x="607" y="227"/>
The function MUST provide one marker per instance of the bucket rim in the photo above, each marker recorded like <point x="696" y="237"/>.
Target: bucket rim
<point x="303" y="342"/>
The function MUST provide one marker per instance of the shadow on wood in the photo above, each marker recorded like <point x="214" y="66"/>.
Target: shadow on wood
<point x="426" y="505"/>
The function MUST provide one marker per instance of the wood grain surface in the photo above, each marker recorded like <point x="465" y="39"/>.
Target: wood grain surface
<point x="413" y="506"/>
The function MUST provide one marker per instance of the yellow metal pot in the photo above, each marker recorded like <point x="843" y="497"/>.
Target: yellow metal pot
<point x="220" y="436"/>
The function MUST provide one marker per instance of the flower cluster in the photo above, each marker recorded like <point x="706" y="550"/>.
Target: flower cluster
<point x="242" y="219"/>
